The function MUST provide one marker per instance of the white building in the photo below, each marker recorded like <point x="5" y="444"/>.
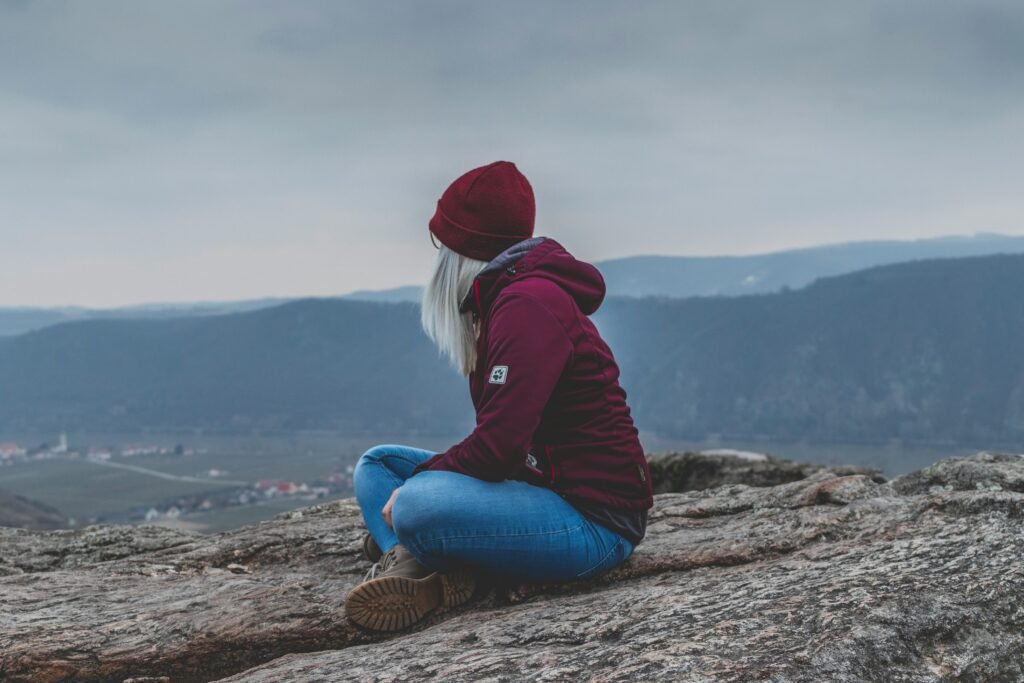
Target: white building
<point x="62" y="444"/>
<point x="11" y="450"/>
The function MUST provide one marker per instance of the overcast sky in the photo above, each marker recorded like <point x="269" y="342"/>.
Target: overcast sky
<point x="182" y="151"/>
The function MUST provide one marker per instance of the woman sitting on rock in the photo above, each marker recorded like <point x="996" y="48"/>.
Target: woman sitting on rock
<point x="552" y="484"/>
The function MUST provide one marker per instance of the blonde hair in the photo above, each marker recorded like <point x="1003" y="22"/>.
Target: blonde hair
<point x="454" y="333"/>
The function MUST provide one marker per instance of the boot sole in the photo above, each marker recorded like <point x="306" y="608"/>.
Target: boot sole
<point x="394" y="603"/>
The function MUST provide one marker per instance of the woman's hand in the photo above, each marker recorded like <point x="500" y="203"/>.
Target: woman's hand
<point x="387" y="508"/>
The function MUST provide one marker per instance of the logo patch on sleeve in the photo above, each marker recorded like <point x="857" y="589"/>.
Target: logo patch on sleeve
<point x="498" y="374"/>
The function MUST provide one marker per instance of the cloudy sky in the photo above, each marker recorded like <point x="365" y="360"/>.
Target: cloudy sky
<point x="212" y="150"/>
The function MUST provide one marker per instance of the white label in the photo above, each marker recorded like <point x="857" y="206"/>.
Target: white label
<point x="498" y="374"/>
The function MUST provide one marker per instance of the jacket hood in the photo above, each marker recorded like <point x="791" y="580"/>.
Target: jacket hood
<point x="537" y="257"/>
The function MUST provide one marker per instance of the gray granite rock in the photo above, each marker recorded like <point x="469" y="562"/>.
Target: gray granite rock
<point x="827" y="578"/>
<point x="689" y="471"/>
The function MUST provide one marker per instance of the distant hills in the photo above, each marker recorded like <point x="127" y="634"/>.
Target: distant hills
<point x="17" y="320"/>
<point x="636" y="276"/>
<point x="408" y="293"/>
<point x="352" y="366"/>
<point x="922" y="351"/>
<point x="682" y="276"/>
<point x="18" y="511"/>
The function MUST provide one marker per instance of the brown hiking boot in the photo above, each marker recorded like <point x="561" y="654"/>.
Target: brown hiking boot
<point x="371" y="551"/>
<point x="398" y="591"/>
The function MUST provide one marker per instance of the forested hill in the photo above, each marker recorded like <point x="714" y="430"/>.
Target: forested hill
<point x="348" y="365"/>
<point x="928" y="350"/>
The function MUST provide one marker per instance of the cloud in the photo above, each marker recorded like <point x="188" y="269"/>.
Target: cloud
<point x="165" y="133"/>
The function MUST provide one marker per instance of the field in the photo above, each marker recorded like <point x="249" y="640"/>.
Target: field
<point x="84" y="489"/>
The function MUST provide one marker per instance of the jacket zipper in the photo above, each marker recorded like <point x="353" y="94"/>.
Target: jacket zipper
<point x="480" y="342"/>
<point x="476" y="295"/>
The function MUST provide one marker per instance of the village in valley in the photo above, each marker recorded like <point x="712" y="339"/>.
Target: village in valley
<point x="11" y="452"/>
<point x="224" y="490"/>
<point x="259" y="492"/>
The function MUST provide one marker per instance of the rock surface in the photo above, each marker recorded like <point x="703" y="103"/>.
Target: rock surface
<point x="835" y="577"/>
<point x="688" y="471"/>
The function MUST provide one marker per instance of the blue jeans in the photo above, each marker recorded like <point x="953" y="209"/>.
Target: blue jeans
<point x="510" y="529"/>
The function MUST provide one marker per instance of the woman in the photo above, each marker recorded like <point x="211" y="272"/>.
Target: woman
<point x="552" y="484"/>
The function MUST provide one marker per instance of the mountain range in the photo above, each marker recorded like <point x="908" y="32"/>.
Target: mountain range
<point x="635" y="276"/>
<point x="923" y="351"/>
<point x="682" y="276"/>
<point x="352" y="366"/>
<point x="920" y="351"/>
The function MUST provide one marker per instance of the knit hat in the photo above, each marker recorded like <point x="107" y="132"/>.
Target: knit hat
<point x="485" y="211"/>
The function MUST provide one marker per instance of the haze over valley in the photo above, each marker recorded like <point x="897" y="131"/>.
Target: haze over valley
<point x="221" y="414"/>
<point x="634" y="276"/>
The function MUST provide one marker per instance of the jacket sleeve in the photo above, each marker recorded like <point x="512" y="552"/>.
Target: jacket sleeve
<point x="527" y="351"/>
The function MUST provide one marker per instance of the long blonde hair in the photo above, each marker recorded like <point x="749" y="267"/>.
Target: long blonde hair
<point x="454" y="333"/>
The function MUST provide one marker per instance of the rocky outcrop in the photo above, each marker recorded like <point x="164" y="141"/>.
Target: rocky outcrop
<point x="18" y="511"/>
<point x="830" y="577"/>
<point x="688" y="471"/>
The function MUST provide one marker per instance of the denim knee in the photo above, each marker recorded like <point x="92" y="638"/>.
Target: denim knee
<point x="374" y="453"/>
<point x="372" y="456"/>
<point x="421" y="505"/>
<point x="420" y="511"/>
<point x="359" y="471"/>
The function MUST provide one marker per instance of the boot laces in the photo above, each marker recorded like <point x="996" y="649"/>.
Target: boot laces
<point x="382" y="565"/>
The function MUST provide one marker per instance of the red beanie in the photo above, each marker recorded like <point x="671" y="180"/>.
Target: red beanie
<point x="485" y="211"/>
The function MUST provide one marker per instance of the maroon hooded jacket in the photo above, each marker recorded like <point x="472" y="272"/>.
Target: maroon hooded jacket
<point x="549" y="407"/>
